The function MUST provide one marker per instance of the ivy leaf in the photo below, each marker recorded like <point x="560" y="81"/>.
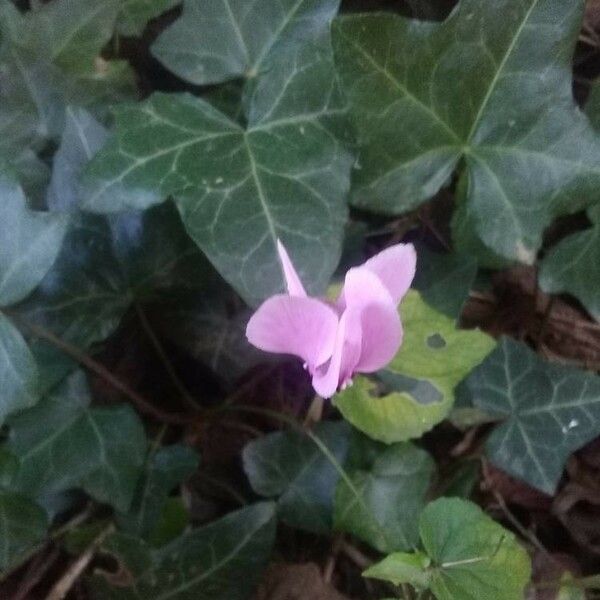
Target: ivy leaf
<point x="426" y="96"/>
<point x="18" y="371"/>
<point x="217" y="40"/>
<point x="82" y="137"/>
<point x="62" y="443"/>
<point x="392" y="483"/>
<point x="433" y="359"/>
<point x="235" y="202"/>
<point x="135" y="14"/>
<point x="549" y="411"/>
<point x="444" y="280"/>
<point x="573" y="266"/>
<point x="166" y="469"/>
<point x="29" y="243"/>
<point x="290" y="466"/>
<point x="105" y="263"/>
<point x="50" y="56"/>
<point x="221" y="560"/>
<point x="467" y="555"/>
<point x="23" y="524"/>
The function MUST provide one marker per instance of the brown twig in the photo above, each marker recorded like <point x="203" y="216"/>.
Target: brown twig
<point x="65" y="583"/>
<point x="143" y="405"/>
<point x="35" y="573"/>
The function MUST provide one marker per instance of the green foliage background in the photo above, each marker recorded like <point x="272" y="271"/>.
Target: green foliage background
<point x="308" y="122"/>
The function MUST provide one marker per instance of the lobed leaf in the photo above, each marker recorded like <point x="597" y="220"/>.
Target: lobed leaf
<point x="426" y="96"/>
<point x="240" y="189"/>
<point x="62" y="443"/>
<point x="221" y="560"/>
<point x="548" y="412"/>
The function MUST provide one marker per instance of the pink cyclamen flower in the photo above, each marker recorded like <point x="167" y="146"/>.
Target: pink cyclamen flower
<point x="358" y="333"/>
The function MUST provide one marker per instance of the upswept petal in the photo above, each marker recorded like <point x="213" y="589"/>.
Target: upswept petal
<point x="304" y="327"/>
<point x="292" y="279"/>
<point x="363" y="287"/>
<point x="379" y="322"/>
<point x="346" y="354"/>
<point x="395" y="266"/>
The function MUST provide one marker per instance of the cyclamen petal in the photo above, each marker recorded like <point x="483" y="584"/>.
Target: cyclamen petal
<point x="362" y="336"/>
<point x="304" y="327"/>
<point x="395" y="266"/>
<point x="292" y="279"/>
<point x="346" y="354"/>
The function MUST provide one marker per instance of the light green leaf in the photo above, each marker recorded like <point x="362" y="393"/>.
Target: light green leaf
<point x="23" y="524"/>
<point x="289" y="466"/>
<point x="18" y="371"/>
<point x="216" y="40"/>
<point x="29" y="243"/>
<point x="467" y="555"/>
<point x="62" y="443"/>
<point x="392" y="483"/>
<point x="433" y="359"/>
<point x="427" y="97"/>
<point x="135" y="14"/>
<point x="549" y="411"/>
<point x="234" y="186"/>
<point x="166" y="469"/>
<point x="222" y="560"/>
<point x="401" y="567"/>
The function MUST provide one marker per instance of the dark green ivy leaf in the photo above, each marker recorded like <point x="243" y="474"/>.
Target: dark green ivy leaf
<point x="549" y="411"/>
<point x="239" y="189"/>
<point x="29" y="243"/>
<point x="573" y="265"/>
<point x="291" y="467"/>
<point x="18" y="371"/>
<point x="135" y="14"/>
<point x="383" y="505"/>
<point x="62" y="443"/>
<point x="445" y="280"/>
<point x="222" y="560"/>
<point x="23" y="524"/>
<point x="105" y="263"/>
<point x="426" y="96"/>
<point x="165" y="469"/>
<point x="50" y="56"/>
<point x="217" y="40"/>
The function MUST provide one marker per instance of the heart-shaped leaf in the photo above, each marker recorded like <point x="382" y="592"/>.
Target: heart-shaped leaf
<point x="467" y="555"/>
